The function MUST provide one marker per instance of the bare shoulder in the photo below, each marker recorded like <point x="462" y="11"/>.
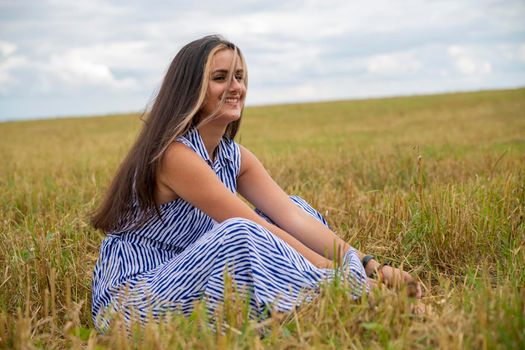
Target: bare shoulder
<point x="180" y="159"/>
<point x="181" y="163"/>
<point x="175" y="160"/>
<point x="177" y="152"/>
<point x="190" y="177"/>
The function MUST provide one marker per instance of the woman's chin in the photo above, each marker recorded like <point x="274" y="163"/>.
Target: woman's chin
<point x="233" y="114"/>
<point x="229" y="115"/>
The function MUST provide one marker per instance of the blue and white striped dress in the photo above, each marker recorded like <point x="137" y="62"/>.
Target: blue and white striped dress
<point x="167" y="265"/>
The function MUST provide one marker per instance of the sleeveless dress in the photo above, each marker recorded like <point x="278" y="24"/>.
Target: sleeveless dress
<point x="168" y="264"/>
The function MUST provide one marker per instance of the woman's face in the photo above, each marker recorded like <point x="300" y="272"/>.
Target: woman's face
<point x="218" y="86"/>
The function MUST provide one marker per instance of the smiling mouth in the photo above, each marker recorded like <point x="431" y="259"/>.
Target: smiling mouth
<point x="232" y="100"/>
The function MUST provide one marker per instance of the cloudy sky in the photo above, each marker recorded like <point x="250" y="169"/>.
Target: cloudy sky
<point x="64" y="57"/>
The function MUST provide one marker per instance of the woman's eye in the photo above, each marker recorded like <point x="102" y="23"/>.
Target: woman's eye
<point x="238" y="77"/>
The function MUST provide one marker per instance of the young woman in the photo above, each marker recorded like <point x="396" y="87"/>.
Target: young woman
<point x="174" y="220"/>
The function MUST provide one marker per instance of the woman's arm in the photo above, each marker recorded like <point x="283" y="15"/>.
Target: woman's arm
<point x="192" y="179"/>
<point x="257" y="186"/>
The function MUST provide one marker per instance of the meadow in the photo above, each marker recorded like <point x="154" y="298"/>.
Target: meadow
<point x="434" y="183"/>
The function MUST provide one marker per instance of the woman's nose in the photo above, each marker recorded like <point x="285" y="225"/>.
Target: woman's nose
<point x="235" y="84"/>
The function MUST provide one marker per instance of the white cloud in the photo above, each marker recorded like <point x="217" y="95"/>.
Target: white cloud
<point x="6" y="76"/>
<point x="467" y="65"/>
<point x="521" y="52"/>
<point x="296" y="50"/>
<point x="393" y="64"/>
<point x="121" y="55"/>
<point x="7" y="48"/>
<point x="466" y="61"/>
<point x="76" y="70"/>
<point x="8" y="63"/>
<point x="87" y="8"/>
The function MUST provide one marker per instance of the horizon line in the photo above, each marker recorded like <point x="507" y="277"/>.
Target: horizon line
<point x="262" y="105"/>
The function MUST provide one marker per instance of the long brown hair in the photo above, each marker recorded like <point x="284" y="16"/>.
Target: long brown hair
<point x="130" y="200"/>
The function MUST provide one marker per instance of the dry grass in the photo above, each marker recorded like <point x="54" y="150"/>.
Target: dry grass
<point x="436" y="183"/>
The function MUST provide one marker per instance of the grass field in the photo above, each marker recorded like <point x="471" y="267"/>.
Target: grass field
<point x="436" y="183"/>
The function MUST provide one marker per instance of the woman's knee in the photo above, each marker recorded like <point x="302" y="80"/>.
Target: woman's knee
<point x="237" y="222"/>
<point x="238" y="227"/>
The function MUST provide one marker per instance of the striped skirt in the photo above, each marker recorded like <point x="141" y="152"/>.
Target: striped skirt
<point x="262" y="268"/>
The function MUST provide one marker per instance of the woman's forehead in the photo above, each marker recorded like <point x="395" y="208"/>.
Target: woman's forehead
<point x="223" y="59"/>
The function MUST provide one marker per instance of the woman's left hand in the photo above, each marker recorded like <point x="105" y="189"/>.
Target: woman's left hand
<point x="394" y="277"/>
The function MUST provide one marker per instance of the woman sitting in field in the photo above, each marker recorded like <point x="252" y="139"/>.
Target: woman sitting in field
<point x="174" y="221"/>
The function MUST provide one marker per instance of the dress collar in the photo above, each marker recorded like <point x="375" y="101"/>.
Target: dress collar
<point x="222" y="154"/>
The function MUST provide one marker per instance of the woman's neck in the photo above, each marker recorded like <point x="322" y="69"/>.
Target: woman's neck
<point x="211" y="136"/>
